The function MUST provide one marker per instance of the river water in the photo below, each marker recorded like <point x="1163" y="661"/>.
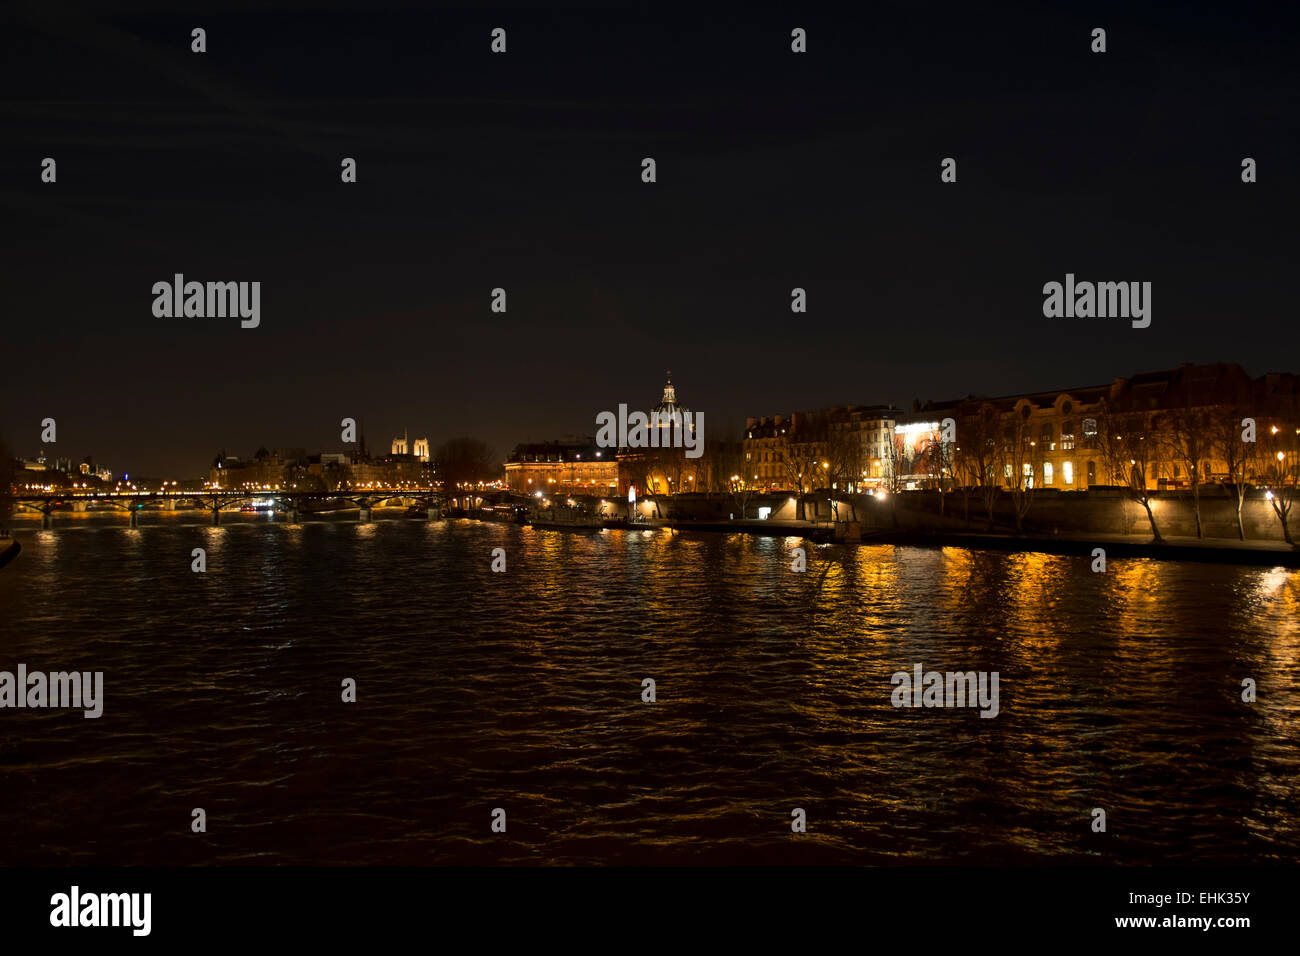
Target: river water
<point x="522" y="690"/>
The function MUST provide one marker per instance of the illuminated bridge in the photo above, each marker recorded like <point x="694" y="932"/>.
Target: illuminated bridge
<point x="292" y="503"/>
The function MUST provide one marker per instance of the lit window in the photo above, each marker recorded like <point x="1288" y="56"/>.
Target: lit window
<point x="1047" y="472"/>
<point x="1068" y="469"/>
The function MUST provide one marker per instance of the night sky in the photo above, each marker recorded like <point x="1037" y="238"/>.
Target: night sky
<point x="523" y="171"/>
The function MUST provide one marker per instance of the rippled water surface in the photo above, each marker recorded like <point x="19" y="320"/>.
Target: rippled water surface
<point x="522" y="691"/>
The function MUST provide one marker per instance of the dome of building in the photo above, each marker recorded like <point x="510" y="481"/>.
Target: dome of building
<point x="668" y="410"/>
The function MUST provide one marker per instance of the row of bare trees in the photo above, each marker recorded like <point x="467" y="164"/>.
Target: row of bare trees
<point x="1000" y="453"/>
<point x="1250" y="450"/>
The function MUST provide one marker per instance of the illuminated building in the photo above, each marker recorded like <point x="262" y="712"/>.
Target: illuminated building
<point x="419" y="448"/>
<point x="570" y="466"/>
<point x="664" y="467"/>
<point x="1073" y="439"/>
<point x="846" y="447"/>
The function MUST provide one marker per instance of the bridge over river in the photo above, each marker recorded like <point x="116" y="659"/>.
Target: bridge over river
<point x="292" y="503"/>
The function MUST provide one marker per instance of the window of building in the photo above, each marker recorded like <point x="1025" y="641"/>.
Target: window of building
<point x="1047" y="434"/>
<point x="1067" y="435"/>
<point x="1067" y="472"/>
<point x="1090" y="433"/>
<point x="1047" y="473"/>
<point x="1092" y="473"/>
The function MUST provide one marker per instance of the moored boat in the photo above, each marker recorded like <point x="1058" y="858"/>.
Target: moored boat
<point x="512" y="514"/>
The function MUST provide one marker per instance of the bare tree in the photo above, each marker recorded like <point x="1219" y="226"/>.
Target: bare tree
<point x="965" y="475"/>
<point x="976" y="458"/>
<point x="665" y="469"/>
<point x="898" y="463"/>
<point x="1279" y="471"/>
<point x="462" y="462"/>
<point x="1228" y="433"/>
<point x="941" y="466"/>
<point x="1189" y="440"/>
<point x="1022" y="462"/>
<point x="708" y="470"/>
<point x="799" y="459"/>
<point x="733" y="468"/>
<point x="1129" y="442"/>
<point x="845" y="463"/>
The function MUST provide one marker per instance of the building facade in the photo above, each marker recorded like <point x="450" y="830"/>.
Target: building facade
<point x="571" y="466"/>
<point x="1166" y="429"/>
<point x="844" y="448"/>
<point x="417" y="448"/>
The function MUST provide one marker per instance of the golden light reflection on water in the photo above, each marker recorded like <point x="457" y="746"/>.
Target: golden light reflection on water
<point x="1279" y="592"/>
<point x="214" y="538"/>
<point x="1118" y="689"/>
<point x="1133" y="592"/>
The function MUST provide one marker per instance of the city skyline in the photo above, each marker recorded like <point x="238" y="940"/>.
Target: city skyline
<point x="400" y="444"/>
<point x="476" y="172"/>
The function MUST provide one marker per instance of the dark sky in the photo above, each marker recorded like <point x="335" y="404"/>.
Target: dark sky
<point x="523" y="171"/>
